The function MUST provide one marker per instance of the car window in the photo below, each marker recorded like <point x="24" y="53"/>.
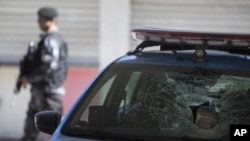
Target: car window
<point x="99" y="97"/>
<point x="166" y="102"/>
<point x="130" y="88"/>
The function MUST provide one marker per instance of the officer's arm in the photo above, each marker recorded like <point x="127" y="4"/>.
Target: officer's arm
<point x="50" y="61"/>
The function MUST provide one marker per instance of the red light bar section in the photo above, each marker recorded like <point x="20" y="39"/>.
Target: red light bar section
<point x="157" y="33"/>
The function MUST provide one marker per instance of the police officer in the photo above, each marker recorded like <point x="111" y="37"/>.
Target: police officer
<point x="49" y="69"/>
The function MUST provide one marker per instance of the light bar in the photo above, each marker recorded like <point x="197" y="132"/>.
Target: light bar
<point x="240" y="43"/>
<point x="138" y="36"/>
<point x="191" y="38"/>
<point x="216" y="43"/>
<point x="173" y="40"/>
<point x="194" y="42"/>
<point x="156" y="38"/>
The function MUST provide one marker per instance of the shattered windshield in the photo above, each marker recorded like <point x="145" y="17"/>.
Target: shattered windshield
<point x="165" y="102"/>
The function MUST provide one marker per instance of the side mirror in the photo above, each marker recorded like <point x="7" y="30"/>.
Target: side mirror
<point x="47" y="121"/>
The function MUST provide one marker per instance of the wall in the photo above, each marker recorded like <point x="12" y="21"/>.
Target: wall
<point x="114" y="34"/>
<point x="11" y="119"/>
<point x="78" y="22"/>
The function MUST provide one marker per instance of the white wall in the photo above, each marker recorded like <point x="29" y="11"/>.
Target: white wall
<point x="114" y="34"/>
<point x="11" y="119"/>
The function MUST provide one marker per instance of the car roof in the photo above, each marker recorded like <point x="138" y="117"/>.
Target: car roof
<point x="216" y="60"/>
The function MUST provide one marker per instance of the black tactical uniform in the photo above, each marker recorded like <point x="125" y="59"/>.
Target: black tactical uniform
<point x="49" y="69"/>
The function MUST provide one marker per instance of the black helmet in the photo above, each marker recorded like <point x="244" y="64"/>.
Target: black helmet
<point x="47" y="12"/>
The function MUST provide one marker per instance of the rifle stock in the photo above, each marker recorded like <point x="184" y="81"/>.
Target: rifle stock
<point x="18" y="85"/>
<point x="25" y="66"/>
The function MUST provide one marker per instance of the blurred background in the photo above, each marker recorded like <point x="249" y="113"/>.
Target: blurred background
<point x="97" y="31"/>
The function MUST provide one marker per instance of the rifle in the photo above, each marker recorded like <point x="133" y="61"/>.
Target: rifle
<point x="25" y="65"/>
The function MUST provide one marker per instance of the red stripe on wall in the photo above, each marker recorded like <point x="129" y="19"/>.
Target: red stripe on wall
<point x="77" y="80"/>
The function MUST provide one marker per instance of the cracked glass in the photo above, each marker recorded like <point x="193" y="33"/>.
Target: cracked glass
<point x="165" y="102"/>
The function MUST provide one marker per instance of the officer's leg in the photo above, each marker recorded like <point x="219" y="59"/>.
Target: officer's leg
<point x="30" y="131"/>
<point x="50" y="102"/>
<point x="41" y="100"/>
<point x="54" y="102"/>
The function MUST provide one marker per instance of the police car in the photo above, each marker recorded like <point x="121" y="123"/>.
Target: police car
<point x="175" y="85"/>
